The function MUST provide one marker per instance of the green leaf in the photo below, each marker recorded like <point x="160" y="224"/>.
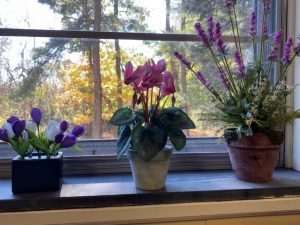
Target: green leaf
<point x="176" y="117"/>
<point x="40" y="145"/>
<point x="122" y="116"/>
<point x="177" y="138"/>
<point x="148" y="141"/>
<point x="124" y="139"/>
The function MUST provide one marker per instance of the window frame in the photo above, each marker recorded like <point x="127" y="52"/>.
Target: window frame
<point x="94" y="164"/>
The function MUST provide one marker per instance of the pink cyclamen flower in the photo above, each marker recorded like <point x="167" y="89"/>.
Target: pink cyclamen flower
<point x="201" y="34"/>
<point x="128" y="73"/>
<point x="241" y="69"/>
<point x="204" y="80"/>
<point x="168" y="86"/>
<point x="287" y="51"/>
<point x="253" y="24"/>
<point x="153" y="76"/>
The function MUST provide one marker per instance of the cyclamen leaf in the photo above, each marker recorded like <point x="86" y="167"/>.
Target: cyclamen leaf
<point x="122" y="116"/>
<point x="123" y="140"/>
<point x="178" y="139"/>
<point x="176" y="117"/>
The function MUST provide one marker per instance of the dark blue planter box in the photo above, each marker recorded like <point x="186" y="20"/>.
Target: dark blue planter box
<point x="37" y="175"/>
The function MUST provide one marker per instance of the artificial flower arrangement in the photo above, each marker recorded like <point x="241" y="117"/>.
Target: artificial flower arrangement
<point x="25" y="136"/>
<point x="245" y="96"/>
<point x="147" y="129"/>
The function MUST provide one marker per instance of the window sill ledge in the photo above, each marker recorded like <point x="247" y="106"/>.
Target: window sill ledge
<point x="118" y="190"/>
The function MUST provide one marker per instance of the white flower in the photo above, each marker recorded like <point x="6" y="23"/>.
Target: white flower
<point x="10" y="132"/>
<point x="31" y="125"/>
<point x="52" y="130"/>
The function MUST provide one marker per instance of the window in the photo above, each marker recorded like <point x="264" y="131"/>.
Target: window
<point x="48" y="50"/>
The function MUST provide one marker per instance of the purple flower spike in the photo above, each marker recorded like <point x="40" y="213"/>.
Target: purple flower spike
<point x="253" y="24"/>
<point x="12" y="119"/>
<point x="223" y="79"/>
<point x="267" y="6"/>
<point x="78" y="131"/>
<point x="241" y="69"/>
<point x="4" y="135"/>
<point x="201" y="34"/>
<point x="266" y="31"/>
<point x="68" y="141"/>
<point x="59" y="138"/>
<point x="210" y="29"/>
<point x="64" y="125"/>
<point x="203" y="79"/>
<point x="229" y="3"/>
<point x="19" y="126"/>
<point x="182" y="59"/>
<point x="287" y="51"/>
<point x="297" y="49"/>
<point x="220" y="46"/>
<point x="218" y="31"/>
<point x="36" y="115"/>
<point x="276" y="46"/>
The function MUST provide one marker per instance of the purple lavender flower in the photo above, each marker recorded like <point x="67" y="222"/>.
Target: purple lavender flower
<point x="223" y="80"/>
<point x="182" y="59"/>
<point x="241" y="69"/>
<point x="218" y="31"/>
<point x="287" y="51"/>
<point x="266" y="31"/>
<point x="19" y="126"/>
<point x="297" y="49"/>
<point x="64" y="125"/>
<point x="276" y="46"/>
<point x="12" y="119"/>
<point x="210" y="29"/>
<point x="201" y="34"/>
<point x="267" y="6"/>
<point x="4" y="135"/>
<point x="36" y="115"/>
<point x="204" y="79"/>
<point x="229" y="3"/>
<point x="78" y="131"/>
<point x="220" y="46"/>
<point x="68" y="141"/>
<point x="253" y="24"/>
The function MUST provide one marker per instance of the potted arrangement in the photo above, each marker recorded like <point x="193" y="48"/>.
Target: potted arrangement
<point x="144" y="132"/>
<point x="38" y="166"/>
<point x="245" y="98"/>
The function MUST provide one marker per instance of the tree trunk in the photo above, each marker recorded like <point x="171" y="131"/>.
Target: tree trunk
<point x="118" y="56"/>
<point x="183" y="68"/>
<point x="97" y="122"/>
<point x="172" y="46"/>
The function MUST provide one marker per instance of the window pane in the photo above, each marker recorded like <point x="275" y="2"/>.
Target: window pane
<point x="158" y="16"/>
<point x="60" y="77"/>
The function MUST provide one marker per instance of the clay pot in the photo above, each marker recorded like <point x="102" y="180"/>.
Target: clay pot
<point x="253" y="158"/>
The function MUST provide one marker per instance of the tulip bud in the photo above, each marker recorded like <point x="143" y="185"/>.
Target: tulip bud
<point x="19" y="126"/>
<point x="12" y="119"/>
<point x="36" y="115"/>
<point x="68" y="141"/>
<point x="4" y="135"/>
<point x="78" y="131"/>
<point x="64" y="125"/>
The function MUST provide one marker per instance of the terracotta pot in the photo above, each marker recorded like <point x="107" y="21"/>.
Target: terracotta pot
<point x="253" y="158"/>
<point x="150" y="175"/>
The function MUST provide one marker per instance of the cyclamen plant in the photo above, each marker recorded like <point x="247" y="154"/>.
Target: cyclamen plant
<point x="147" y="129"/>
<point x="245" y="97"/>
<point x="25" y="136"/>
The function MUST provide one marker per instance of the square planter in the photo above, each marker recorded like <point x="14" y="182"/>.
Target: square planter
<point x="37" y="175"/>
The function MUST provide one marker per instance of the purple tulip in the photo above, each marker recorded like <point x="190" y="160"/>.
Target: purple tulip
<point x="59" y="138"/>
<point x="4" y="135"/>
<point x="19" y="126"/>
<point x="68" y="141"/>
<point x="36" y="115"/>
<point x="168" y="87"/>
<point x="78" y="131"/>
<point x="12" y="119"/>
<point x="64" y="125"/>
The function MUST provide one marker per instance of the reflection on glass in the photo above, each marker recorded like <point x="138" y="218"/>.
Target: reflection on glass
<point x="81" y="80"/>
<point x="159" y="16"/>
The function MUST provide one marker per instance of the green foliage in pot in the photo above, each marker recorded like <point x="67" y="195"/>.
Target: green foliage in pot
<point x="147" y="129"/>
<point x="245" y="96"/>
